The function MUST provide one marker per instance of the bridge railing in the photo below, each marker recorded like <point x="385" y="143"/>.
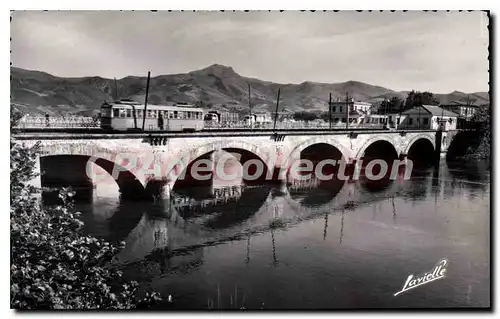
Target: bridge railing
<point x="58" y="122"/>
<point x="287" y="125"/>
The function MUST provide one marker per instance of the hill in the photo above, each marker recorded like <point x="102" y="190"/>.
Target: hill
<point x="216" y="86"/>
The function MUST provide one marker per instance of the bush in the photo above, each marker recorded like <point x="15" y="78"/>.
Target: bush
<point x="483" y="150"/>
<point x="54" y="266"/>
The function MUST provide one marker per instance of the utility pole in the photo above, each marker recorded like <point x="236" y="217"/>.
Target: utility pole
<point x="442" y="116"/>
<point x="117" y="97"/>
<point x="146" y="102"/>
<point x="250" y="107"/>
<point x="400" y="111"/>
<point x="347" y="110"/>
<point x="249" y="103"/>
<point x="330" y="110"/>
<point x="384" y="119"/>
<point x="419" y="108"/>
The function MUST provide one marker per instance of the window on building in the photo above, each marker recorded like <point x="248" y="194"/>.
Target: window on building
<point x="426" y="121"/>
<point x="410" y="121"/>
<point x="343" y="119"/>
<point x="340" y="109"/>
<point x="334" y="109"/>
<point x="398" y="120"/>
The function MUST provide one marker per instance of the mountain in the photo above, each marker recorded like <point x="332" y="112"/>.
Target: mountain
<point x="216" y="87"/>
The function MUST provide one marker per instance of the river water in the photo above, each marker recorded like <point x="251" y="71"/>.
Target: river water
<point x="343" y="245"/>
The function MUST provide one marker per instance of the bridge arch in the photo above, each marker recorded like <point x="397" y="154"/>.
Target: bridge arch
<point x="421" y="151"/>
<point x="417" y="138"/>
<point x="295" y="153"/>
<point x="376" y="139"/>
<point x="75" y="170"/>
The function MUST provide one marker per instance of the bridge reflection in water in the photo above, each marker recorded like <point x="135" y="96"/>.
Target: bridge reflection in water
<point x="174" y="236"/>
<point x="193" y="218"/>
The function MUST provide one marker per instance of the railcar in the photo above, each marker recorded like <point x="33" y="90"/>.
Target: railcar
<point x="126" y="115"/>
<point x="211" y="117"/>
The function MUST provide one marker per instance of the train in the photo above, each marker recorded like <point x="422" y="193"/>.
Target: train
<point x="127" y="115"/>
<point x="221" y="117"/>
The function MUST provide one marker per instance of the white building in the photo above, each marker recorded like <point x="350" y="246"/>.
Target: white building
<point x="428" y="117"/>
<point x="465" y="110"/>
<point x="356" y="111"/>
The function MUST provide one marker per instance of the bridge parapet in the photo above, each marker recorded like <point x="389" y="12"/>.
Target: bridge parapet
<point x="155" y="161"/>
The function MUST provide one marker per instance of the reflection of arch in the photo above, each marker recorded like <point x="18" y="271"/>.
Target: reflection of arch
<point x="375" y="186"/>
<point x="125" y="218"/>
<point x="316" y="196"/>
<point x="72" y="170"/>
<point x="373" y="140"/>
<point x="419" y="137"/>
<point x="232" y="212"/>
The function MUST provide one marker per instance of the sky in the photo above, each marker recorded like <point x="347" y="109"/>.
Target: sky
<point x="435" y="51"/>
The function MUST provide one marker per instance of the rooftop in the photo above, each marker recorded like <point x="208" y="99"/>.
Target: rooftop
<point x="433" y="110"/>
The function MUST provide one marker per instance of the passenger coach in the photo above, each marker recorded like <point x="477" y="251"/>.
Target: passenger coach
<point x="128" y="115"/>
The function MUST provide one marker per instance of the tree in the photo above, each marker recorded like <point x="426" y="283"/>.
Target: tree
<point x="394" y="105"/>
<point x="416" y="98"/>
<point x="304" y="116"/>
<point x="483" y="118"/>
<point x="199" y="103"/>
<point x="53" y="265"/>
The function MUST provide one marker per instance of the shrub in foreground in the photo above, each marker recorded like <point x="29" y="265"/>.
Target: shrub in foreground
<point x="53" y="265"/>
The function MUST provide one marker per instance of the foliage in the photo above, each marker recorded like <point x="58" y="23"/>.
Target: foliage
<point x="416" y="98"/>
<point x="305" y="116"/>
<point x="14" y="117"/>
<point x="54" y="266"/>
<point x="482" y="116"/>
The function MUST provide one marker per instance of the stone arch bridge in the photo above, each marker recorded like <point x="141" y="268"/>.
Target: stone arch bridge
<point x="145" y="164"/>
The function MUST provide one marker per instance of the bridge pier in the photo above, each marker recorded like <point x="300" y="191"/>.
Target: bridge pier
<point x="437" y="150"/>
